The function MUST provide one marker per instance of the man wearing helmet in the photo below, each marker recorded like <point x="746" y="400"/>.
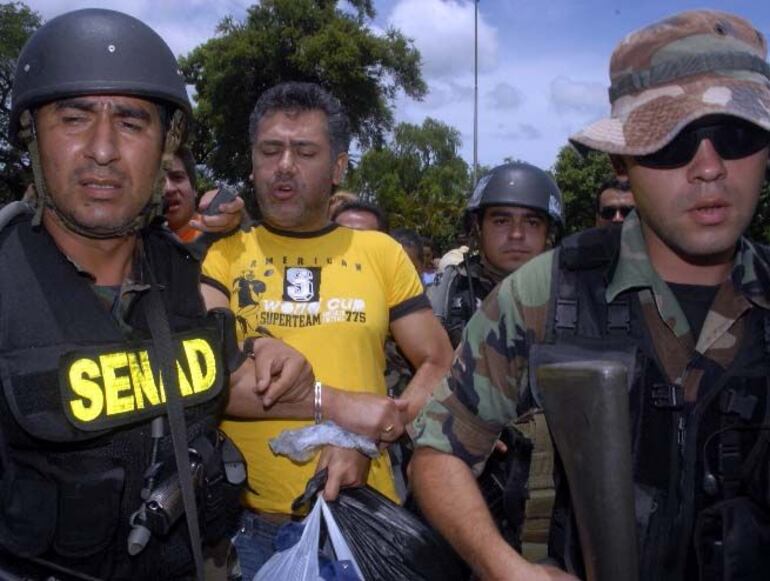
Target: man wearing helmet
<point x="677" y="293"/>
<point x="514" y="214"/>
<point x="112" y="375"/>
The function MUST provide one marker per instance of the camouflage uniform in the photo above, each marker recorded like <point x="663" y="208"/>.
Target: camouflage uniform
<point x="490" y="379"/>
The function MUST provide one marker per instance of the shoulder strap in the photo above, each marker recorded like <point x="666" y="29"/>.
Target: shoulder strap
<point x="440" y="292"/>
<point x="581" y="267"/>
<point x="164" y="351"/>
<point x="11" y="211"/>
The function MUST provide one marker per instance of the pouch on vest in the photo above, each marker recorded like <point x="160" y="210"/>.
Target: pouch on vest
<point x="503" y="484"/>
<point x="85" y="526"/>
<point x="225" y="475"/>
<point x="732" y="541"/>
<point x="68" y="506"/>
<point x="28" y="513"/>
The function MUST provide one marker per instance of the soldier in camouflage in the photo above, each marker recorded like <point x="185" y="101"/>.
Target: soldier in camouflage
<point x="678" y="288"/>
<point x="513" y="215"/>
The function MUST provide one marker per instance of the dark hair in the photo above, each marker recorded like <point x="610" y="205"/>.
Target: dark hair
<point x="362" y="206"/>
<point x="304" y="97"/>
<point x="612" y="183"/>
<point x="188" y="161"/>
<point x="410" y="239"/>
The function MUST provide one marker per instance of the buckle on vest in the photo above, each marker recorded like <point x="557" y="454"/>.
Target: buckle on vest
<point x="619" y="316"/>
<point x="741" y="404"/>
<point x="566" y="314"/>
<point x="667" y="396"/>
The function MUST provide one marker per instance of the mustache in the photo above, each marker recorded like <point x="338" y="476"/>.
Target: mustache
<point x="98" y="172"/>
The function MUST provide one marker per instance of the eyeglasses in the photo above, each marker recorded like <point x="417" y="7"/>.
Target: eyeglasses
<point x="608" y="212"/>
<point x="732" y="139"/>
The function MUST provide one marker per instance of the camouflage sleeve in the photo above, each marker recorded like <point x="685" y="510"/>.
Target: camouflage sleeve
<point x="478" y="397"/>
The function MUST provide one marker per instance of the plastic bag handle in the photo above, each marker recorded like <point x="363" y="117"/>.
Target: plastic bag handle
<point x="340" y="545"/>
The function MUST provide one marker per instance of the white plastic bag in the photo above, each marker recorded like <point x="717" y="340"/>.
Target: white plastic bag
<point x="301" y="444"/>
<point x="300" y="562"/>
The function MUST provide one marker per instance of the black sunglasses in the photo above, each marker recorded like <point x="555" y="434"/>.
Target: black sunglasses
<point x="732" y="138"/>
<point x="608" y="212"/>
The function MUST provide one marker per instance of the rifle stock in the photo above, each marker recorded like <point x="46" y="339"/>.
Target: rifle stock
<point x="586" y="406"/>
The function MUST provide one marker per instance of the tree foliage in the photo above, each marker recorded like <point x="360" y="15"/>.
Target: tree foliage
<point x="418" y="178"/>
<point x="579" y="178"/>
<point x="299" y="40"/>
<point x="17" y="23"/>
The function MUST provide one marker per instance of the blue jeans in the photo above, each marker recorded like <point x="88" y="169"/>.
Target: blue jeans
<point x="254" y="542"/>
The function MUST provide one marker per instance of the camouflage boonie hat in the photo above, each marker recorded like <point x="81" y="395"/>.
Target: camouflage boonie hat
<point x="671" y="73"/>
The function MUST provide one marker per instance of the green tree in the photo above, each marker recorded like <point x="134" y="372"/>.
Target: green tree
<point x="418" y="178"/>
<point x="17" y="22"/>
<point x="579" y="177"/>
<point x="300" y="40"/>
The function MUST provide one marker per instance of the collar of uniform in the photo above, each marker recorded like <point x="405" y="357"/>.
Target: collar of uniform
<point x="291" y="234"/>
<point x="634" y="271"/>
<point x="751" y="274"/>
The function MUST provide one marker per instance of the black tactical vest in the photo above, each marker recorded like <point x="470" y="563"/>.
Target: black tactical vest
<point x="700" y="470"/>
<point x="457" y="293"/>
<point x="78" y="394"/>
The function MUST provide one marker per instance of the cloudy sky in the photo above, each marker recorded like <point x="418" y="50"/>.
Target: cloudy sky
<point x="542" y="63"/>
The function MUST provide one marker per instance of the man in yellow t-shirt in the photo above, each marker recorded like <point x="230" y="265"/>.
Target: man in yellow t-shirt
<point x="331" y="293"/>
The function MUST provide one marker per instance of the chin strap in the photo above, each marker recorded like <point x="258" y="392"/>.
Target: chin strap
<point x="40" y="199"/>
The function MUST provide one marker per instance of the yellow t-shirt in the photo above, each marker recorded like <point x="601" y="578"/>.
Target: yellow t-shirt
<point x="331" y="295"/>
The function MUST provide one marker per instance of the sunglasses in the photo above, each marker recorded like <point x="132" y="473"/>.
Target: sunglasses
<point x="608" y="213"/>
<point x="732" y="139"/>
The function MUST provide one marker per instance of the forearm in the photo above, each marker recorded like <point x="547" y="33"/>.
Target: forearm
<point x="244" y="402"/>
<point x="465" y="521"/>
<point x="424" y="381"/>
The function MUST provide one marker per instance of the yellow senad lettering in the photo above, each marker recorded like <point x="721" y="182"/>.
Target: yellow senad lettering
<point x="143" y="379"/>
<point x="197" y="350"/>
<point x="184" y="384"/>
<point x="81" y="375"/>
<point x="117" y="388"/>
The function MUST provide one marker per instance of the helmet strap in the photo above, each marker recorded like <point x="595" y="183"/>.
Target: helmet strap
<point x="27" y="136"/>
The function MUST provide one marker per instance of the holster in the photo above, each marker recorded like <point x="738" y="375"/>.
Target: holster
<point x="732" y="541"/>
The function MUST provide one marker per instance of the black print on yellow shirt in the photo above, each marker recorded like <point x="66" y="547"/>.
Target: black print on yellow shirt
<point x="111" y="386"/>
<point x="302" y="284"/>
<point x="248" y="289"/>
<point x="307" y="262"/>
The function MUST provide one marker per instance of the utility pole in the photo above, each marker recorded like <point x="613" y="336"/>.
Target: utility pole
<point x="475" y="91"/>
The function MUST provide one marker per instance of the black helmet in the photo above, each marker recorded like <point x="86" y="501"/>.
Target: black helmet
<point x="518" y="184"/>
<point x="92" y="52"/>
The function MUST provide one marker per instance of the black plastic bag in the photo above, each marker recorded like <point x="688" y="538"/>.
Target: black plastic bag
<point x="392" y="544"/>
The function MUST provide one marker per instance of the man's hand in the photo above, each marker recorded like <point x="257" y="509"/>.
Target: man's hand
<point x="374" y="416"/>
<point x="347" y="468"/>
<point x="228" y="219"/>
<point x="282" y="373"/>
<point x="544" y="573"/>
